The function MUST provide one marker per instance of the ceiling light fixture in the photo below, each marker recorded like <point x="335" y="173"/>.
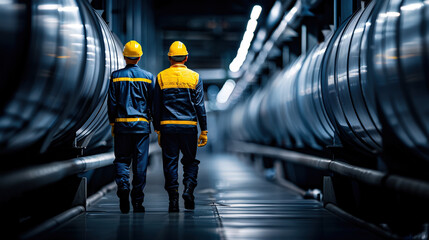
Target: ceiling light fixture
<point x="247" y="39"/>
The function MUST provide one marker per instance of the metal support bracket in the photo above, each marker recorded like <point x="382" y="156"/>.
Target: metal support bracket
<point x="81" y="194"/>
<point x="328" y="191"/>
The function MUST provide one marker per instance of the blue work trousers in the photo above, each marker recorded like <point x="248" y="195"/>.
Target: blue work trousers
<point x="171" y="145"/>
<point x="131" y="148"/>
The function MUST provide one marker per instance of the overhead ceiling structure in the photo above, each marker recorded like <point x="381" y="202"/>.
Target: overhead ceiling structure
<point x="211" y="30"/>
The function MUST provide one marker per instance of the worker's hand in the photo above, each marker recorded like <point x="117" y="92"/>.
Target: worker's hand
<point x="113" y="129"/>
<point x="202" y="140"/>
<point x="159" y="137"/>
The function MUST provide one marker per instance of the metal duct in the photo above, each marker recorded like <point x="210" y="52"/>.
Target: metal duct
<point x="399" y="60"/>
<point x="56" y="87"/>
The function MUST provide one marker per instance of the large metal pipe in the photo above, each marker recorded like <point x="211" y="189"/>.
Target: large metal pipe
<point x="399" y="60"/>
<point x="347" y="91"/>
<point x="58" y="65"/>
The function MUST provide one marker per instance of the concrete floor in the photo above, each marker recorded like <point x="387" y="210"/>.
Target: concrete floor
<point x="232" y="202"/>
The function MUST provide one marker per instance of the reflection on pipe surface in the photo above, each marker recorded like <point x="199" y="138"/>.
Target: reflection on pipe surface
<point x="400" y="62"/>
<point x="57" y="63"/>
<point x="346" y="90"/>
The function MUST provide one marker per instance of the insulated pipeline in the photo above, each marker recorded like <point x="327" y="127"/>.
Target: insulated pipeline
<point x="56" y="66"/>
<point x="346" y="89"/>
<point x="399" y="60"/>
<point x="364" y="89"/>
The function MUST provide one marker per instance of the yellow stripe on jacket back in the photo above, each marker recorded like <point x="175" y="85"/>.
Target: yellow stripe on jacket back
<point x="182" y="122"/>
<point x="127" y="79"/>
<point x="131" y="120"/>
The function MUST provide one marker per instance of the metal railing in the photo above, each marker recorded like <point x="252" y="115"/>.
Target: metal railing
<point x="397" y="183"/>
<point x="34" y="177"/>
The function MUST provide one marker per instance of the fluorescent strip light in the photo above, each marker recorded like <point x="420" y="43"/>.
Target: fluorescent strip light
<point x="247" y="39"/>
<point x="251" y="25"/>
<point x="256" y="11"/>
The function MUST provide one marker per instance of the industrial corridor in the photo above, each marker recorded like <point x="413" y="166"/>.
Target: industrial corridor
<point x="227" y="119"/>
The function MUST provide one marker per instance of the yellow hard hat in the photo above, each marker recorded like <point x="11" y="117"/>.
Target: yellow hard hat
<point x="177" y="49"/>
<point x="133" y="49"/>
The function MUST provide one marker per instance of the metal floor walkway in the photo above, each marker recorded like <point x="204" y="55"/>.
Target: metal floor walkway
<point x="232" y="202"/>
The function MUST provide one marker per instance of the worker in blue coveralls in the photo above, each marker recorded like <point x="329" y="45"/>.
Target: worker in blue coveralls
<point x="178" y="105"/>
<point x="129" y="109"/>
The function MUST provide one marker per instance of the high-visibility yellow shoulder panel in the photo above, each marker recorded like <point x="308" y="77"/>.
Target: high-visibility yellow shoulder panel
<point x="178" y="78"/>
<point x="127" y="79"/>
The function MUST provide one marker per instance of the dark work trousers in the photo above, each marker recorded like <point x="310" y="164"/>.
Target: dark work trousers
<point x="171" y="145"/>
<point x="131" y="148"/>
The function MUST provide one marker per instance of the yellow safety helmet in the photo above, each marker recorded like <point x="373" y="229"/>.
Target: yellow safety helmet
<point x="132" y="49"/>
<point x="177" y="49"/>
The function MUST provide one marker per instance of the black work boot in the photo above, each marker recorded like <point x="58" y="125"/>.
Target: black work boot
<point x="138" y="207"/>
<point x="124" y="200"/>
<point x="173" y="206"/>
<point x="188" y="196"/>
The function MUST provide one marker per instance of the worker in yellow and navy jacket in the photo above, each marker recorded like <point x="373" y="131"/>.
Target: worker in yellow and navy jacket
<point x="129" y="109"/>
<point x="178" y="104"/>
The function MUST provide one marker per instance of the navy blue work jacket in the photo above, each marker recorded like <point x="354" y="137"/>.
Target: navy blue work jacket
<point x="179" y="101"/>
<point x="130" y="99"/>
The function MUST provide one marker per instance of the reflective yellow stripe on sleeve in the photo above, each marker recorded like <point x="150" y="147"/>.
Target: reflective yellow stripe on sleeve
<point x="131" y="120"/>
<point x="127" y="79"/>
<point x="179" y="122"/>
